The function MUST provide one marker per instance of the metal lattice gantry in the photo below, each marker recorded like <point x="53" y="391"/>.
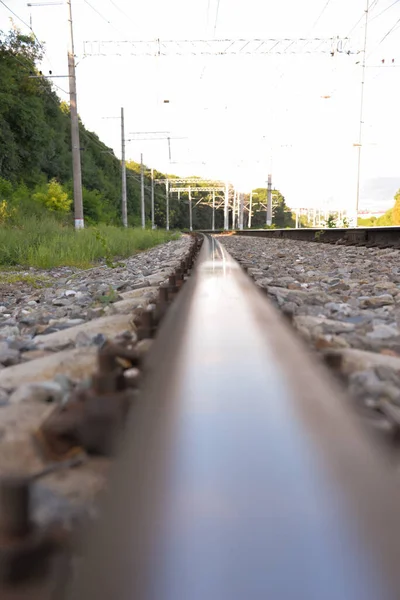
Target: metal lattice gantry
<point x="213" y="199"/>
<point x="219" y="195"/>
<point x="211" y="47"/>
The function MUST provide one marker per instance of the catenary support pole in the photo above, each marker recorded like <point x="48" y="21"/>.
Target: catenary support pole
<point x="167" y="203"/>
<point x="269" y="201"/>
<point x="250" y="209"/>
<point x="226" y="208"/>
<point x="123" y="172"/>
<point x="213" y="211"/>
<point x="152" y="199"/>
<point x="234" y="209"/>
<point x="190" y="210"/>
<point x="360" y="131"/>
<point x="241" y="209"/>
<point x="76" y="148"/>
<point x="142" y="192"/>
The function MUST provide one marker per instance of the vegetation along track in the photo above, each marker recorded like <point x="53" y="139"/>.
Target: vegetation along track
<point x="242" y="460"/>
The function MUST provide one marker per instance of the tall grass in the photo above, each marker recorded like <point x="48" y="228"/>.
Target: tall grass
<point x="45" y="243"/>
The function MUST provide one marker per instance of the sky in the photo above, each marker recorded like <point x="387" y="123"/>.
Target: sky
<point x="239" y="117"/>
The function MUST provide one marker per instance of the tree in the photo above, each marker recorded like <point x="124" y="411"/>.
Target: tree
<point x="54" y="197"/>
<point x="396" y="209"/>
<point x="331" y="222"/>
<point x="282" y="216"/>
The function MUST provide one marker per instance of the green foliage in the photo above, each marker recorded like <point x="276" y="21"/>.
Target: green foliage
<point x="331" y="222"/>
<point x="385" y="220"/>
<point x="282" y="216"/>
<point x="396" y="209"/>
<point x="53" y="197"/>
<point x="345" y="223"/>
<point x="109" y="298"/>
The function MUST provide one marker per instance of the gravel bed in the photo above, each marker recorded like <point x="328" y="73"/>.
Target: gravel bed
<point x="51" y="326"/>
<point x="345" y="301"/>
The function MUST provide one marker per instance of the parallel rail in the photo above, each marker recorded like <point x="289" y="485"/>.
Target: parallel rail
<point x="381" y="237"/>
<point x="243" y="473"/>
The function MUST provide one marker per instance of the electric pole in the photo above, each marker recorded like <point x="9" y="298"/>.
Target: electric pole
<point x="233" y="209"/>
<point x="226" y="208"/>
<point x="190" y="210"/>
<point x="250" y="210"/>
<point x="241" y="209"/>
<point x="123" y="169"/>
<point x="213" y="211"/>
<point x="167" y="203"/>
<point x="76" y="150"/>
<point x="269" y="201"/>
<point x="360" y="132"/>
<point x="142" y="192"/>
<point x="152" y="199"/>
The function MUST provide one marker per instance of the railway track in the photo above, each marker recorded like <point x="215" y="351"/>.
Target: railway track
<point x="374" y="237"/>
<point x="243" y="471"/>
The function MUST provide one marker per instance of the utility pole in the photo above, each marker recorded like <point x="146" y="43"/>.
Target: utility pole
<point x="142" y="192"/>
<point x="123" y="169"/>
<point x="360" y="132"/>
<point x="250" y="209"/>
<point x="234" y="209"/>
<point x="190" y="210"/>
<point x="297" y="218"/>
<point x="241" y="210"/>
<point x="152" y="199"/>
<point x="226" y="207"/>
<point x="213" y="212"/>
<point x="76" y="148"/>
<point x="167" y="203"/>
<point x="269" y="201"/>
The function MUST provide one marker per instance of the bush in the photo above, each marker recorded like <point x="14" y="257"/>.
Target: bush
<point x="53" y="197"/>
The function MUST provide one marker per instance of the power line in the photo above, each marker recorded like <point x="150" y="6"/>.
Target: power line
<point x="208" y="15"/>
<point x="362" y="17"/>
<point x="384" y="10"/>
<point x="389" y="32"/>
<point x="216" y="17"/>
<point x="320" y="15"/>
<point x="120" y="10"/>
<point x="30" y="28"/>
<point x="384" y="37"/>
<point x="102" y="16"/>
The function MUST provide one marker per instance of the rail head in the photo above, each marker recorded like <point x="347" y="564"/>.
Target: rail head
<point x="243" y="472"/>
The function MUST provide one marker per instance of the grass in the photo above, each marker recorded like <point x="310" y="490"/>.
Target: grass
<point x="46" y="243"/>
<point x="35" y="281"/>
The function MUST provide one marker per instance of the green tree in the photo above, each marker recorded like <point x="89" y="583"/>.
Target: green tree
<point x="396" y="209"/>
<point x="331" y="222"/>
<point x="54" y="197"/>
<point x="282" y="216"/>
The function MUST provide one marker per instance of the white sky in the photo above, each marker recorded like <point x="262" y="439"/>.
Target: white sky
<point x="225" y="106"/>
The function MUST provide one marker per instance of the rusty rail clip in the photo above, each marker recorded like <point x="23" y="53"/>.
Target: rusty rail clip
<point x="92" y="419"/>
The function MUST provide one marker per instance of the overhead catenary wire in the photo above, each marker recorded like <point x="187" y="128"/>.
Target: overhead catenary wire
<point x="387" y="34"/>
<point x="216" y="16"/>
<point x="121" y="11"/>
<point x="102" y="16"/>
<point x="30" y="28"/>
<point x="384" y="10"/>
<point x="319" y="16"/>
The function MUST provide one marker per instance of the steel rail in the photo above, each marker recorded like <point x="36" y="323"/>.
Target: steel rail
<point x="243" y="473"/>
<point x="381" y="237"/>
